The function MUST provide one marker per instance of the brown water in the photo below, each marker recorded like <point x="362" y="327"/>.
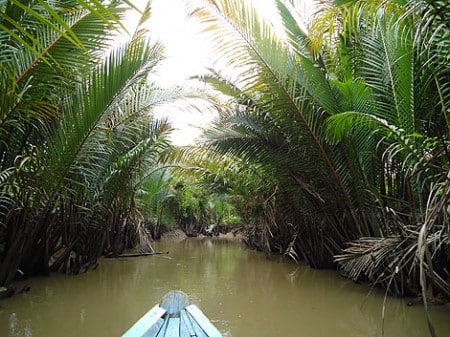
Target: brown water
<point x="244" y="293"/>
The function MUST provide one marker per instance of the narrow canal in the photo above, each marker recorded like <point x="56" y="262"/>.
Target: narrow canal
<point x="244" y="293"/>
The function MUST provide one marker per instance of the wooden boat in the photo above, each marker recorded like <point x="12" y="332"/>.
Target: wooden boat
<point x="174" y="317"/>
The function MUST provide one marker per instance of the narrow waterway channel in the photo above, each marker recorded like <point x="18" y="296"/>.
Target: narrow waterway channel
<point x="244" y="293"/>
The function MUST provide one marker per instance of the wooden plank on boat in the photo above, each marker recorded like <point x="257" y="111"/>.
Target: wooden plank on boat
<point x="163" y="329"/>
<point x="203" y="322"/>
<point x="173" y="327"/>
<point x="174" y="301"/>
<point x="174" y="317"/>
<point x="148" y="325"/>
<point x="186" y="329"/>
<point x="198" y="330"/>
<point x="154" y="329"/>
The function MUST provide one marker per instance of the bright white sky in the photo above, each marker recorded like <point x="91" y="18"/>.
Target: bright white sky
<point x="187" y="55"/>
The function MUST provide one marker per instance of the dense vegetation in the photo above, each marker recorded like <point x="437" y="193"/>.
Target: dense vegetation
<point x="76" y="138"/>
<point x="331" y="145"/>
<point x="81" y="172"/>
<point x="346" y="128"/>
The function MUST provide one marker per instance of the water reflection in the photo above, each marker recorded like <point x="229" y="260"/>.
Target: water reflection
<point x="244" y="293"/>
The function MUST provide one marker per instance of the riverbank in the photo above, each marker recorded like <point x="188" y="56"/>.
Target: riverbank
<point x="178" y="235"/>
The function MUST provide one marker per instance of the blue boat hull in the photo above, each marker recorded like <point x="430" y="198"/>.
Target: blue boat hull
<point x="174" y="317"/>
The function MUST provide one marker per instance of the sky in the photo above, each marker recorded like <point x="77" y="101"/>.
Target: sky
<point x="187" y="54"/>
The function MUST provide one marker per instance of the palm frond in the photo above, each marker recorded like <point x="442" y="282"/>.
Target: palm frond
<point x="94" y="100"/>
<point x="277" y="84"/>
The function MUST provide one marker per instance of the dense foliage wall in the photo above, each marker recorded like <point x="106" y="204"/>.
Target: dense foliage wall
<point x="75" y="133"/>
<point x="347" y="125"/>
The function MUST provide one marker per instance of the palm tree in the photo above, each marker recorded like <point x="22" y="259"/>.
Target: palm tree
<point x="411" y="134"/>
<point x="355" y="149"/>
<point x="278" y="121"/>
<point x="75" y="133"/>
